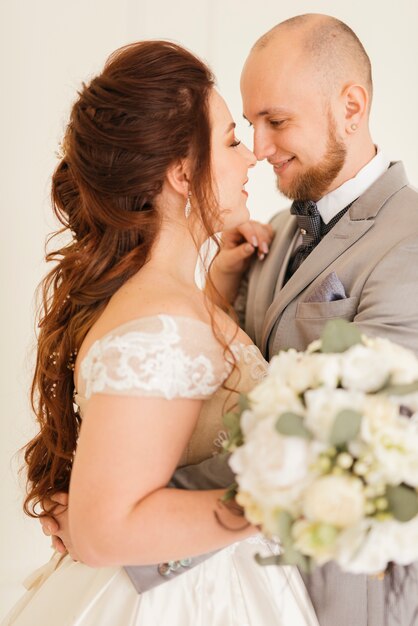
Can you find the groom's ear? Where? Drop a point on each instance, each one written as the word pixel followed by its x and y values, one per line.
pixel 356 106
pixel 178 176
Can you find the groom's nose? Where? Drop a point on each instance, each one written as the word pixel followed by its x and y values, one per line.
pixel 263 146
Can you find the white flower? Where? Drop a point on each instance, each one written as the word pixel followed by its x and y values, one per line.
pixel 393 441
pixel 403 363
pixel 363 369
pixel 335 500
pixel 271 398
pixel 302 371
pixel 293 369
pixel 315 539
pixel 333 511
pixel 253 512
pixel 409 400
pixel 327 369
pixel 371 545
pixel 323 405
pixel 314 346
pixel 274 469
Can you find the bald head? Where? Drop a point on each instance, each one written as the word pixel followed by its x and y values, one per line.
pixel 328 45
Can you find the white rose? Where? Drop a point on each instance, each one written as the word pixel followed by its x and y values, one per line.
pixel 294 369
pixel 364 369
pixel 273 398
pixel 323 405
pixel 328 369
pixel 351 544
pixel 335 500
pixel 402 363
pixel 274 469
pixel 393 441
pixel 409 400
pixel 302 371
pixel 371 545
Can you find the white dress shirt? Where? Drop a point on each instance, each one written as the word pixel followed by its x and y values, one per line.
pixel 335 201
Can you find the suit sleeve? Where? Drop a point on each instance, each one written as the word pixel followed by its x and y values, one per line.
pixel 389 301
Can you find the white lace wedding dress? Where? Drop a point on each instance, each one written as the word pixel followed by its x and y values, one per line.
pixel 169 357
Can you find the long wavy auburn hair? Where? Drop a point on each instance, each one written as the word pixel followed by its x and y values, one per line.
pixel 145 111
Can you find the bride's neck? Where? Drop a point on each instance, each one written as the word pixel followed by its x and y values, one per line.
pixel 175 253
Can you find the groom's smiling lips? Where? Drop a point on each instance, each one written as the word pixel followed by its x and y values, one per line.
pixel 280 166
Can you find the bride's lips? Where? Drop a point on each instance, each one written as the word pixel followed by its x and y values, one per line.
pixel 281 166
pixel 243 190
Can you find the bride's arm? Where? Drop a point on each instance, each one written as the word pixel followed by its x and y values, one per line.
pixel 120 511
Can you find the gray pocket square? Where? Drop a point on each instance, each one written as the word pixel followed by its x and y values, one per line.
pixel 212 473
pixel 330 289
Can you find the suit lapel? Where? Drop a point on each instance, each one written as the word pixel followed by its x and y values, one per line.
pixel 346 232
pixel 263 275
pixel 341 237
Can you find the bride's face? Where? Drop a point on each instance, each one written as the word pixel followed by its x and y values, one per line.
pixel 230 161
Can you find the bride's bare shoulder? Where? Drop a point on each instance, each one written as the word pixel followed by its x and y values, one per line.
pixel 146 301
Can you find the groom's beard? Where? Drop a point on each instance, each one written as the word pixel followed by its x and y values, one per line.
pixel 313 183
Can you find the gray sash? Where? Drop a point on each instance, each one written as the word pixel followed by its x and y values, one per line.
pixel 213 473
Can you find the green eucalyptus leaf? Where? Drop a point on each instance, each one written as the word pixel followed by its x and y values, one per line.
pixel 403 502
pixel 232 424
pixel 339 335
pixel 243 403
pixel 268 560
pixel 291 556
pixel 400 390
pixel 292 425
pixel 284 527
pixel 230 493
pixel 346 426
pixel 231 420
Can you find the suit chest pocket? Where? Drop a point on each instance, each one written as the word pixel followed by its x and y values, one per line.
pixel 345 308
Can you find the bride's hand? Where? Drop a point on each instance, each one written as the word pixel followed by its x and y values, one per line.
pixel 240 244
pixel 238 247
pixel 55 524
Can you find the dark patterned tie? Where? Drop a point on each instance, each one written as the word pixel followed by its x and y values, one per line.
pixel 309 223
pixel 312 229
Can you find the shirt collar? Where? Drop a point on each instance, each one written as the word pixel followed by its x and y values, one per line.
pixel 335 201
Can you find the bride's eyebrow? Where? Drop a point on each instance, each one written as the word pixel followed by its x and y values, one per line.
pixel 231 126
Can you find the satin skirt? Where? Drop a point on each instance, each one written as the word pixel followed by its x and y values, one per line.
pixel 229 589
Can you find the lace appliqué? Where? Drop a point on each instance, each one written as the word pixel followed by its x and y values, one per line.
pixel 250 355
pixel 150 362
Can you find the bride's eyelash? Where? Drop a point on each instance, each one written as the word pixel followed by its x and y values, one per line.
pixel 235 143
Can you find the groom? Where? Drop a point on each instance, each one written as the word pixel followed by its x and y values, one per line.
pixel 348 248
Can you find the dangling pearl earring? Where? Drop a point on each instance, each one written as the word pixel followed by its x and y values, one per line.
pixel 353 126
pixel 188 207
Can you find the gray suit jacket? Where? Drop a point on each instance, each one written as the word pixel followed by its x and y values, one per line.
pixel 372 251
pixel 365 270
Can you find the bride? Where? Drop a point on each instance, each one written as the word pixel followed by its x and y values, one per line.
pixel 136 365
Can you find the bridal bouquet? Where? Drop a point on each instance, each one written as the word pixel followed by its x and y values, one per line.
pixel 325 452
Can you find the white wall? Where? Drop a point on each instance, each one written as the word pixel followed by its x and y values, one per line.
pixel 46 48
